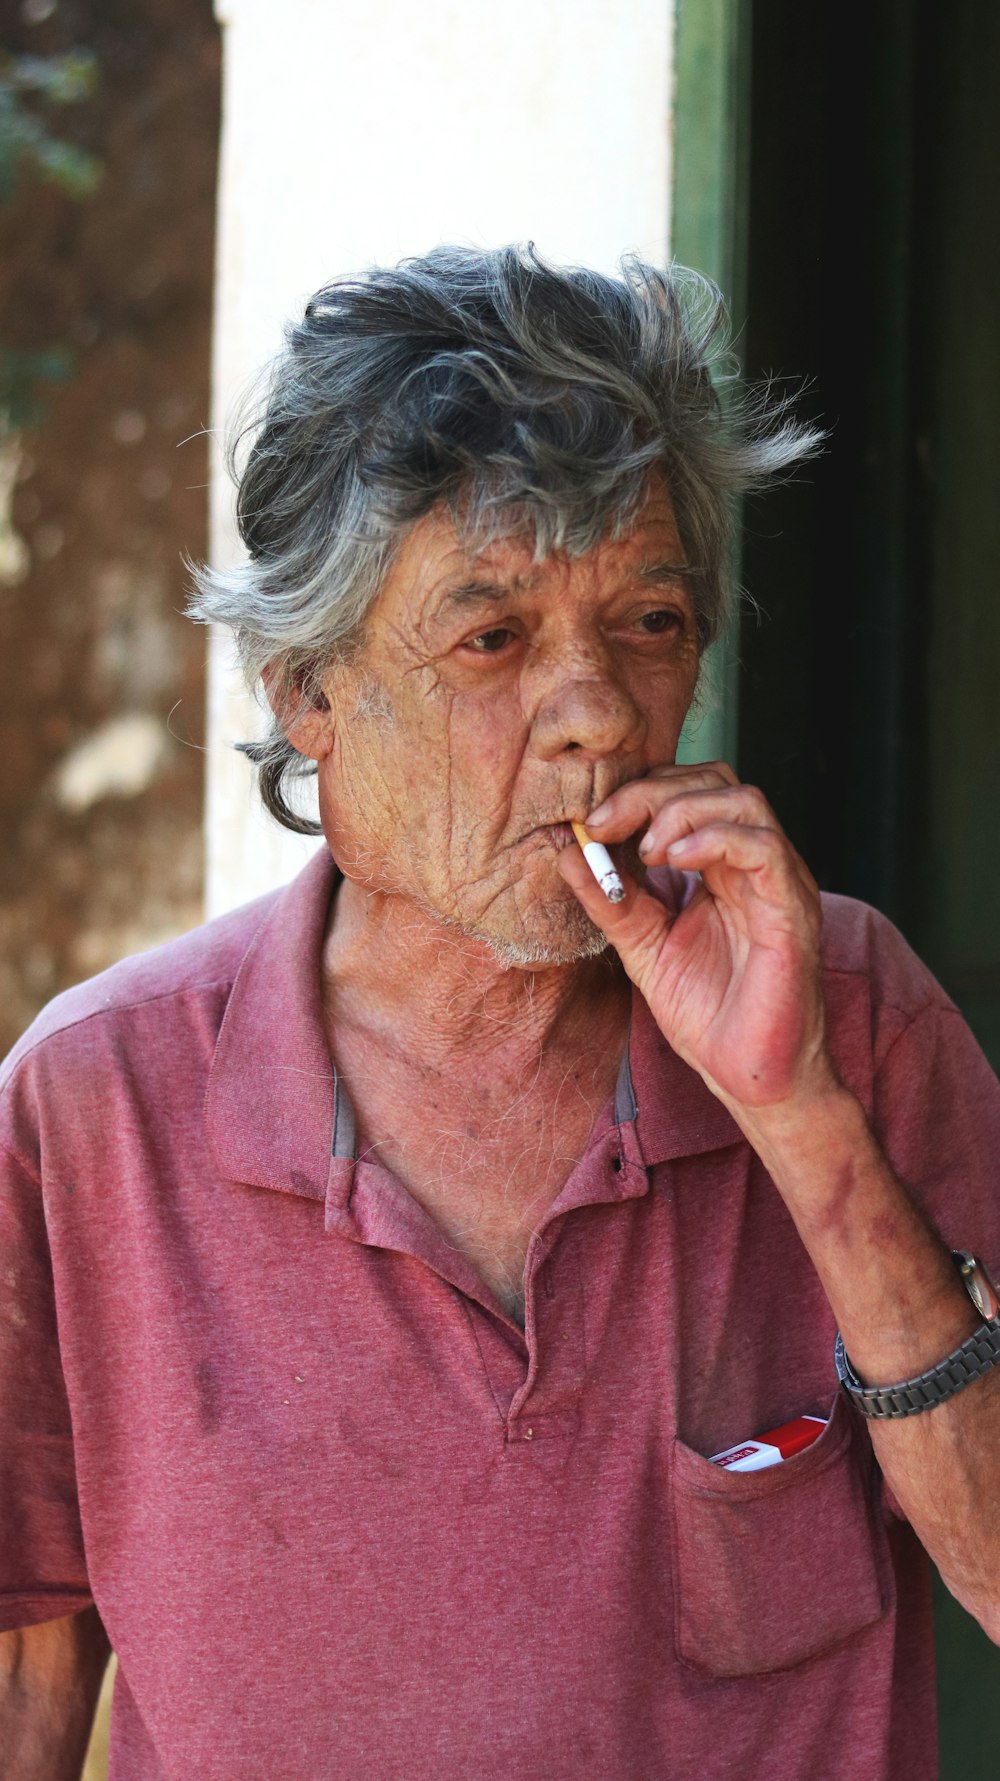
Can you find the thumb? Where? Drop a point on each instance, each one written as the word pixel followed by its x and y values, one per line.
pixel 636 927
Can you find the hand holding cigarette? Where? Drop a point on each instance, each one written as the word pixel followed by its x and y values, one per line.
pixel 731 974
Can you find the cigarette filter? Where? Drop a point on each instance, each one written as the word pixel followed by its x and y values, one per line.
pixel 601 864
pixel 773 1447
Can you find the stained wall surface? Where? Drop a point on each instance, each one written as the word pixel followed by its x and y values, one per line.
pixel 101 678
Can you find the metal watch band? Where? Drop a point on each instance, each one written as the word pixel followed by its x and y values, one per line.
pixel 975 1357
pixel 958 1369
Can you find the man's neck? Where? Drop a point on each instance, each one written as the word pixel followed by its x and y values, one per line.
pixel 414 984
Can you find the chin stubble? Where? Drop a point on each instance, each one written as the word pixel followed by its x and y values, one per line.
pixel 580 940
pixel 524 955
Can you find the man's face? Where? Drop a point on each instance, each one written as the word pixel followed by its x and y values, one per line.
pixel 493 700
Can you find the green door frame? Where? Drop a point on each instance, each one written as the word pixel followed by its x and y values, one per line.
pixel 711 133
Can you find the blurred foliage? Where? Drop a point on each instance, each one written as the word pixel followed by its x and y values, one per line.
pixel 22 375
pixel 27 146
pixel 30 151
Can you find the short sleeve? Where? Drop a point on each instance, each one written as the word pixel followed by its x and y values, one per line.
pixel 42 1570
pixel 936 1109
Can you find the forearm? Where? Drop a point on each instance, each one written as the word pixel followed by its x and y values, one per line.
pixel 901 1308
pixel 50 1678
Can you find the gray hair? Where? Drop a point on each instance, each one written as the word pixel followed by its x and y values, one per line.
pixel 529 398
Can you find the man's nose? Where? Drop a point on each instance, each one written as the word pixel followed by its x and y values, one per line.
pixel 590 711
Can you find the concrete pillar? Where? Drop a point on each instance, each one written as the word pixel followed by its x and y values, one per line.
pixel 359 134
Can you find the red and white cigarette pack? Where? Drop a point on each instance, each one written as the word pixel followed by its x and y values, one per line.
pixel 771 1448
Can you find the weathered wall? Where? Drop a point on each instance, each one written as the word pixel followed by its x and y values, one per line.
pixel 101 678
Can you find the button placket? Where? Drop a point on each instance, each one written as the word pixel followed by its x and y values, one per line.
pixel 547 1404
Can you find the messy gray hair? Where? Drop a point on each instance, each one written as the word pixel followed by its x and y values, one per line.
pixel 529 398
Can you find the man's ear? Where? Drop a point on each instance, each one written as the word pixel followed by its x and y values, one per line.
pixel 307 722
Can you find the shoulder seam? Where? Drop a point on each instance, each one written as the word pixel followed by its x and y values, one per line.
pixel 942 1002
pixel 119 1008
pixel 938 1007
pixel 22 1163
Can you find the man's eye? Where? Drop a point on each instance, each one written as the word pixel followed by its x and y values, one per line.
pixel 663 619
pixel 489 642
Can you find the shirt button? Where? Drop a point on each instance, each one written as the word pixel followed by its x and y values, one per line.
pixel 528 1434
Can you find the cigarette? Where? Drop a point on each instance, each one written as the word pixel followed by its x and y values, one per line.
pixel 601 864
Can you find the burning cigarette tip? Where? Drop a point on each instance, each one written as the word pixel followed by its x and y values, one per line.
pixel 601 864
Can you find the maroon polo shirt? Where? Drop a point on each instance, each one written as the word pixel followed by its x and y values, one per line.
pixel 339 1515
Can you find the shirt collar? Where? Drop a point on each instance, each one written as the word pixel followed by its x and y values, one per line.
pixel 271 1091
pixel 676 1112
pixel 276 1113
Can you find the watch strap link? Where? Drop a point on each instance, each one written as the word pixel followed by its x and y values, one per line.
pixel 974 1358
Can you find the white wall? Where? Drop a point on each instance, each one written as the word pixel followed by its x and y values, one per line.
pixel 357 133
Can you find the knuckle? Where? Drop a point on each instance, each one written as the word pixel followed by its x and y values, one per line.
pixel 725 771
pixel 781 859
pixel 755 799
pixel 716 773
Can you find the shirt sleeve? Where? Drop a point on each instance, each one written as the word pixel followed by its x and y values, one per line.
pixel 937 1114
pixel 936 1109
pixel 42 1569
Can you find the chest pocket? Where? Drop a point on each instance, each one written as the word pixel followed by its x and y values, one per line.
pixel 774 1567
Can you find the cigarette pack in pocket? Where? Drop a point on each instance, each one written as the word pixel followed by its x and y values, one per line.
pixel 778 1563
pixel 772 1447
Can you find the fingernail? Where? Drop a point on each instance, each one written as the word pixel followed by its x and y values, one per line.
pixel 645 846
pixel 680 846
pixel 597 815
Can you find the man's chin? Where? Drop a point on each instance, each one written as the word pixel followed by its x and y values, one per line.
pixel 542 926
pixel 563 935
pixel 531 955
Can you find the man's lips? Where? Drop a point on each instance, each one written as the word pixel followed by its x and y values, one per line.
pixel 560 834
pixel 557 834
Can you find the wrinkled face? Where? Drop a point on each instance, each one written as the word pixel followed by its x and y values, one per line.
pixel 493 700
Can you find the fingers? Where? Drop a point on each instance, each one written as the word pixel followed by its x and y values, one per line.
pixel 682 816
pixel 762 854
pixel 633 806
pixel 674 802
pixel 701 819
pixel 671 803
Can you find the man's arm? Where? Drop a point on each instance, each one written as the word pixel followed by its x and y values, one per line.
pixel 50 1678
pixel 735 984
pixel 895 1292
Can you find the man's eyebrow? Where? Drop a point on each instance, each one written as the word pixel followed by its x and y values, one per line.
pixel 669 571
pixel 484 593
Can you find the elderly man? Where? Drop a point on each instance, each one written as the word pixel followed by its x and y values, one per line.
pixel 387 1262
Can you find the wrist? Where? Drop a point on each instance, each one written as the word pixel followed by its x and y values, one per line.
pixel 891 1283
pixel 807 1139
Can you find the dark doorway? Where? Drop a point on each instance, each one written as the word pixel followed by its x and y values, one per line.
pixel 870 684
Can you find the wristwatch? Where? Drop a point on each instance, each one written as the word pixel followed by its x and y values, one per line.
pixel 975 1356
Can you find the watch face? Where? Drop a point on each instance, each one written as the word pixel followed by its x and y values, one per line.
pixel 976 1294
pixel 980 1288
